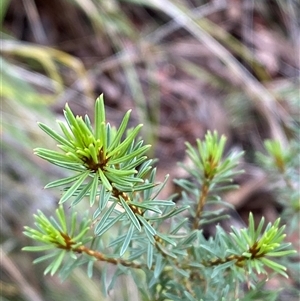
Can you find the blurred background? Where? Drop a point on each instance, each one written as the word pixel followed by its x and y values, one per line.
pixel 184 67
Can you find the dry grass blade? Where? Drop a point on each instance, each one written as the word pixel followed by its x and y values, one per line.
pixel 28 291
pixel 264 101
pixel 35 21
pixel 48 57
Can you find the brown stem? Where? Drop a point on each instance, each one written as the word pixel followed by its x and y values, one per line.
pixel 200 205
pixel 101 257
pixel 98 255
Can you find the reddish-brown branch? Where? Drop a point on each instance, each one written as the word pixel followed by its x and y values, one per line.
pixel 101 257
pixel 200 205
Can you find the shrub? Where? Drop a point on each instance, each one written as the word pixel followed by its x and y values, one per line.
pixel 159 243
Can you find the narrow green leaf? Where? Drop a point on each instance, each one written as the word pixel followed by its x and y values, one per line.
pixel 281 253
pixel 274 266
pixel 63 181
pixel 117 241
pixel 179 226
pixel 159 265
pixel 221 267
pixel 150 237
pixel 130 214
pixel 77 157
pixel 173 212
pixel 103 138
pixel 45 257
pixel 190 238
pixel 259 228
pixel 73 223
pixel 84 130
pixel 54 135
pixel 122 147
pixel 128 187
pixel 104 197
pixel 78 237
pixel 62 218
pixel 50 266
pixel 74 187
pixel 90 267
pixel 104 180
pixel 135 163
pixel 127 240
pixel 104 280
pixel 38 248
pixel 130 156
pixel 163 203
pixel 238 239
pixel 104 218
pixel 109 135
pixel 74 166
pixel 65 148
pixel 57 262
pixel 251 226
pixel 136 254
pixel 149 255
pixel 166 238
pixel 70 118
pixel 125 180
pixel 120 172
pixel 78 135
pixel 146 206
pixel 245 235
pixel 257 265
pixel 173 297
pixel 189 296
pixel 133 181
pixel 93 152
pixel 120 180
pixel 99 116
pixel 160 187
pixel 88 123
pixel 145 168
pixel 106 226
pixel 149 228
pixel 94 189
pixel 66 132
pixel 52 155
pixel 119 133
pixel 84 192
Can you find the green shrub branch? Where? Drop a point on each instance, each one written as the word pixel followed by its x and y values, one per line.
pixel 161 238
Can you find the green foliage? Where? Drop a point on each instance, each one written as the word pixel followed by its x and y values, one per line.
pixel 282 165
pixel 159 243
pixel 56 235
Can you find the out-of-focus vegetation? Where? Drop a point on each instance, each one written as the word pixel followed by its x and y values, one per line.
pixel 185 67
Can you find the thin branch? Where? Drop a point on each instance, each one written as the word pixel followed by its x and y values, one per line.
pixel 101 257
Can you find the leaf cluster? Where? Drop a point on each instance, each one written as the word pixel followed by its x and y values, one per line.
pixel 148 238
